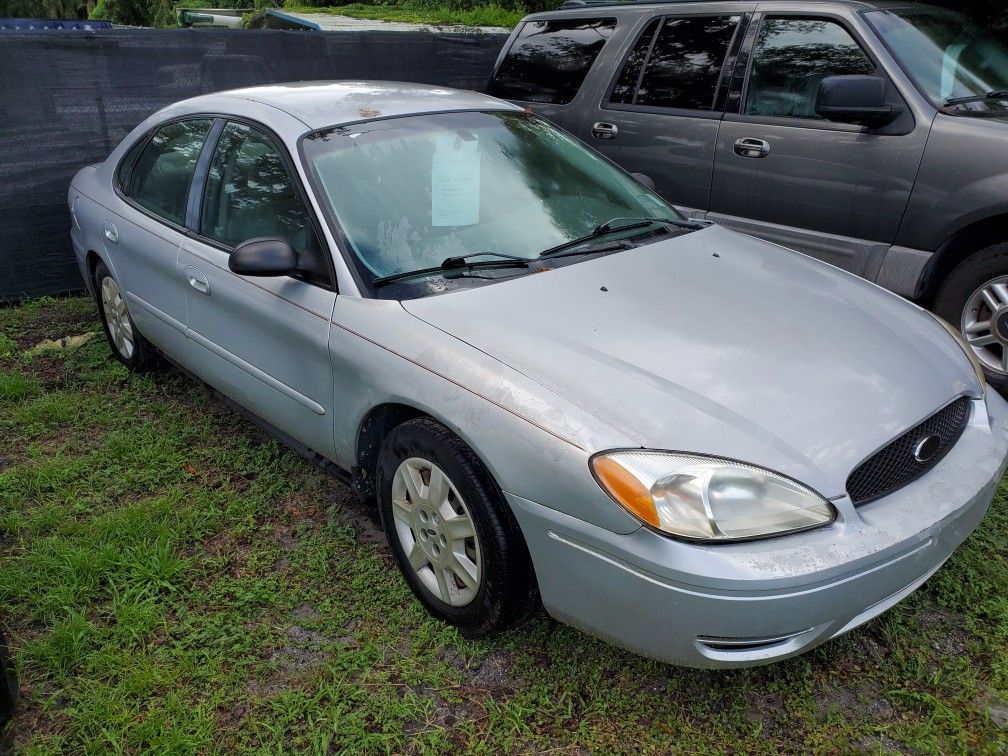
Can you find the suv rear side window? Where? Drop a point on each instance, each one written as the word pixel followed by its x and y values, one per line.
pixel 792 57
pixel 160 178
pixel 549 60
pixel 683 63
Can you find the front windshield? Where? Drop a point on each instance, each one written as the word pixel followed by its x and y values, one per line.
pixel 948 57
pixel 410 192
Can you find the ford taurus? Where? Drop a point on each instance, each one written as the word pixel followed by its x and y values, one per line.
pixel 701 446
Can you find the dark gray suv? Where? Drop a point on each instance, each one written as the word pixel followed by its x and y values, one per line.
pixel 872 135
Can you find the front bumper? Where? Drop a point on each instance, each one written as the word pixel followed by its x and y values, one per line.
pixel 743 604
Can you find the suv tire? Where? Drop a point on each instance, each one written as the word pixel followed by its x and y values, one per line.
pixel 960 296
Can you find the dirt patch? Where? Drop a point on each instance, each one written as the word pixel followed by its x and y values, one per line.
pixel 347 508
pixel 55 323
pixel 943 630
pixel 880 743
pixel 47 370
pixel 996 709
pixel 858 699
pixel 494 674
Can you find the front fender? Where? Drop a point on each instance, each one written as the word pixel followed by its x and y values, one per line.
pixel 534 443
pixel 963 179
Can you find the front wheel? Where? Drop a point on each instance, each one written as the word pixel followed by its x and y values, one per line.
pixel 975 299
pixel 450 530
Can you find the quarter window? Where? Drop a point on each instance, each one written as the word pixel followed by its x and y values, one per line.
pixel 250 193
pixel 684 64
pixel 625 89
pixel 792 57
pixel 161 176
pixel 549 60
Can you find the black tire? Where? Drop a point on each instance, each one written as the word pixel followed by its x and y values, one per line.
pixel 144 357
pixel 966 278
pixel 507 590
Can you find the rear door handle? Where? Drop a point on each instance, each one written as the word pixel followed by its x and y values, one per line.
pixel 604 130
pixel 111 233
pixel 197 279
pixel 752 148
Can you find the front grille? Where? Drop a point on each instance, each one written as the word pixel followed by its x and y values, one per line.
pixel 894 465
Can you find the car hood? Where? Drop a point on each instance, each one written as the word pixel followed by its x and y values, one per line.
pixel 718 343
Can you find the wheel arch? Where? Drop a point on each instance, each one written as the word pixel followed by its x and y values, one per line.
pixel 963 243
pixel 376 424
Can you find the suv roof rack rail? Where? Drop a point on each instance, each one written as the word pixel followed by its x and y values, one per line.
pixel 571 4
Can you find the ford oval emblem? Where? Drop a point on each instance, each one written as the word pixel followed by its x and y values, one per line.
pixel 926 448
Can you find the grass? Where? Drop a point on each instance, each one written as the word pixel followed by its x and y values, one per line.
pixel 417 13
pixel 173 580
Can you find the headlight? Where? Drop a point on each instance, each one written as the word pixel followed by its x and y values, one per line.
pixel 967 350
pixel 706 498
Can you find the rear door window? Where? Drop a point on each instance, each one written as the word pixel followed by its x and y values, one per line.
pixel 549 60
pixel 677 64
pixel 159 181
pixel 792 57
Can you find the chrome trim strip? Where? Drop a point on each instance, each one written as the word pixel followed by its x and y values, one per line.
pixel 255 372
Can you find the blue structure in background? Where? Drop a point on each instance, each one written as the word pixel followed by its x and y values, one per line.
pixel 48 24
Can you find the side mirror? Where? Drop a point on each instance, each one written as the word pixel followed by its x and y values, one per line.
pixel 266 256
pixel 644 179
pixel 855 99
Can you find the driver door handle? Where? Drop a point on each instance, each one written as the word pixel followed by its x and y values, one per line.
pixel 752 148
pixel 197 279
pixel 604 130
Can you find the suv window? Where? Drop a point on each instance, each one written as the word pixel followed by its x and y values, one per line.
pixel 683 63
pixel 549 60
pixel 160 178
pixel 792 57
pixel 250 193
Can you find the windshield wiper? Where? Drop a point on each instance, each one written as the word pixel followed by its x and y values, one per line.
pixel 459 262
pixel 997 94
pixel 616 247
pixel 611 227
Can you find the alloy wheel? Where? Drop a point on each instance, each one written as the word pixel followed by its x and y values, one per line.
pixel 116 317
pixel 436 531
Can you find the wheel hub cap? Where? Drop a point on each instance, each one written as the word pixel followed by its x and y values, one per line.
pixel 436 531
pixel 1001 326
pixel 119 326
pixel 985 324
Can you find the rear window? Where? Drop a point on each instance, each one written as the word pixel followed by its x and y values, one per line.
pixel 681 65
pixel 549 60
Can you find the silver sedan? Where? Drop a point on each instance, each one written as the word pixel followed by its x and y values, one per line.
pixel 700 446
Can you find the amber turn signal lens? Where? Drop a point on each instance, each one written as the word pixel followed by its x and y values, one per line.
pixel 626 489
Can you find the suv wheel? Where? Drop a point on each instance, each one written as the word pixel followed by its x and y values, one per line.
pixel 975 298
pixel 128 345
pixel 450 529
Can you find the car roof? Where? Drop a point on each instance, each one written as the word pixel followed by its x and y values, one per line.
pixel 318 104
pixel 573 6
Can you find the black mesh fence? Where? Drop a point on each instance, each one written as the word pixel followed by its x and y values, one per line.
pixel 68 98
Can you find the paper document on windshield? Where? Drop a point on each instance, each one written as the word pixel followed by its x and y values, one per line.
pixel 455 182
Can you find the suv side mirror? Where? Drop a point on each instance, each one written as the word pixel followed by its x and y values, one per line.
pixel 645 180
pixel 265 256
pixel 855 99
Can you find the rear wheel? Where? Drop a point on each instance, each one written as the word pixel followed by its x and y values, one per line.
pixel 450 530
pixel 975 299
pixel 128 345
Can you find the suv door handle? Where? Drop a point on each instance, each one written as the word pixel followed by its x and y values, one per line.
pixel 197 279
pixel 603 130
pixel 752 148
